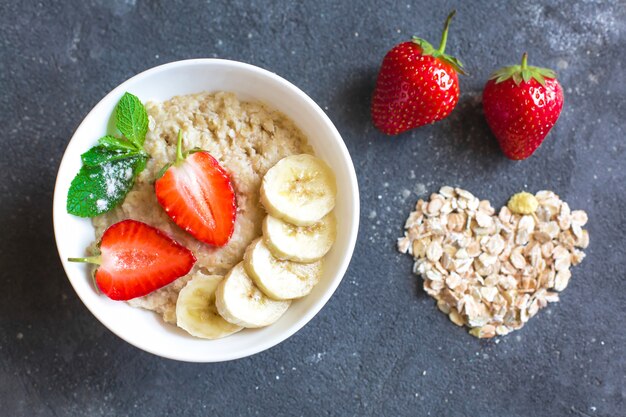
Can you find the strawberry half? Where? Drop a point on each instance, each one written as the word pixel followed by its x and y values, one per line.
pixel 417 85
pixel 197 194
pixel 521 104
pixel 136 259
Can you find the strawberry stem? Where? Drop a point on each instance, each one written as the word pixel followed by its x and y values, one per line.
pixel 90 260
pixel 444 35
pixel 524 61
pixel 179 147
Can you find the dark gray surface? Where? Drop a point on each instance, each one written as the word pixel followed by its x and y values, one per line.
pixel 379 347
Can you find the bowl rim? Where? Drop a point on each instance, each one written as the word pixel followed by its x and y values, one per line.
pixel 58 205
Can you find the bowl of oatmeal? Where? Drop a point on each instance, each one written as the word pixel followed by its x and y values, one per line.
pixel 248 119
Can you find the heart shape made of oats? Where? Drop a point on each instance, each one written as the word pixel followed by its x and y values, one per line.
pixel 492 272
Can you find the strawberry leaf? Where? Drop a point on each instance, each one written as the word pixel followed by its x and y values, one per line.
pixel 454 63
pixel 427 48
pixel 546 72
pixel 523 73
pixel 539 79
pixel 163 170
pixel 192 151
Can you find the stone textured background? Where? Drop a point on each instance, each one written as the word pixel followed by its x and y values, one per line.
pixel 380 346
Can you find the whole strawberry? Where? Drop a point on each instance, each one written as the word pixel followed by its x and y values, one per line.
pixel 521 104
pixel 417 85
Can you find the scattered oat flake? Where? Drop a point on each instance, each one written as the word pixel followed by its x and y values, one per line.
pixel 493 271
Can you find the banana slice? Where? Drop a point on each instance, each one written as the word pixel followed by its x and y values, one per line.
pixel 280 280
pixel 242 303
pixel 299 243
pixel 196 311
pixel 300 189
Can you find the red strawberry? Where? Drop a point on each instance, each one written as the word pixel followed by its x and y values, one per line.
pixel 521 104
pixel 136 259
pixel 417 85
pixel 196 193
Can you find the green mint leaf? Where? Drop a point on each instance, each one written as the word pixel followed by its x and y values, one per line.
pixel 113 142
pixel 132 119
pixel 140 163
pixel 100 154
pixel 98 189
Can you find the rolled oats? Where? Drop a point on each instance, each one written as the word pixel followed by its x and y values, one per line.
pixel 493 272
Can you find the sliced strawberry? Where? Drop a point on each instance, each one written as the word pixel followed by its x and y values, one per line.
pixel 136 259
pixel 197 194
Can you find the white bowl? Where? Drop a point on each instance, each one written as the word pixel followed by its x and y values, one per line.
pixel 145 329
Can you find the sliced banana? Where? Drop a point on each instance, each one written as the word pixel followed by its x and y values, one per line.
pixel 279 280
pixel 299 243
pixel 242 303
pixel 196 311
pixel 300 189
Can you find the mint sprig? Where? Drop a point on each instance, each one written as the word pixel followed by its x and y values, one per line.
pixel 110 168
